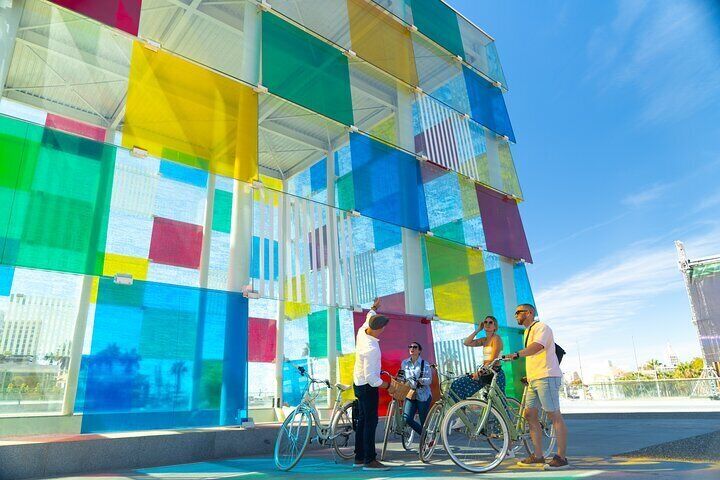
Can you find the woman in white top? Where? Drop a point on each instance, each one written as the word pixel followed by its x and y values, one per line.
pixel 492 346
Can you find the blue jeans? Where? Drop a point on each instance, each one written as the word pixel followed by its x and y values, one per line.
pixel 411 408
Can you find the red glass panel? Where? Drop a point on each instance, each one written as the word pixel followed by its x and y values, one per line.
pixel 394 340
pixel 69 125
pixel 121 14
pixel 261 340
pixel 176 243
pixel 504 232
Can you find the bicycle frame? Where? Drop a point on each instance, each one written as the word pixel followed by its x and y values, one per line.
pixel 308 405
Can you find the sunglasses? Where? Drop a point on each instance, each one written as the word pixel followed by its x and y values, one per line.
pixel 413 347
pixel 489 322
pixel 521 311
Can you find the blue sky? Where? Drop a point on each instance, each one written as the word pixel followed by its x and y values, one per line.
pixel 616 108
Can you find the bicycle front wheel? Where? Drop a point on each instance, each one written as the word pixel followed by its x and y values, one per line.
pixel 408 435
pixel 389 421
pixel 342 433
pixel 292 439
pixel 473 446
pixel 431 429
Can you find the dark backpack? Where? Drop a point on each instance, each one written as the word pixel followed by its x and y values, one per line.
pixel 559 351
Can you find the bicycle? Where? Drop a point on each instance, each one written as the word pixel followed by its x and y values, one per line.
pixel 489 426
pixel 395 423
pixel 431 427
pixel 294 434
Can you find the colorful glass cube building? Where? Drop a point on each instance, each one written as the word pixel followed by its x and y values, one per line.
pixel 198 197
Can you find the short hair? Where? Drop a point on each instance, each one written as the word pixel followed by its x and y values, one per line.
pixel 530 306
pixel 418 344
pixel 378 321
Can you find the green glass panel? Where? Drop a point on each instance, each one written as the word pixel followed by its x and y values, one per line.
pixel 57 212
pixel 222 211
pixel 317 331
pixel 345 192
pixel 305 70
pixel 510 180
pixel 451 231
pixel 514 371
pixel 439 23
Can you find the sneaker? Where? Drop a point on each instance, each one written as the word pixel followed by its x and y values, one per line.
pixel 557 463
pixel 457 424
pixel 358 463
pixel 375 466
pixel 532 461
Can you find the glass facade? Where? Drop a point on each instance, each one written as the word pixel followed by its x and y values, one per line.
pixel 187 219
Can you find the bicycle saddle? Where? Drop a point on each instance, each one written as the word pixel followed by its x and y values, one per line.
pixel 341 387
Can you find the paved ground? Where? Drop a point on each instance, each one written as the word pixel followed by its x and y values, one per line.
pixel 594 446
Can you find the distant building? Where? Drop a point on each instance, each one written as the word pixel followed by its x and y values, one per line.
pixel 38 326
pixel 671 356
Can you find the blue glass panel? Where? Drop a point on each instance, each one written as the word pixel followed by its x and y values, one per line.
pixel 6 279
pixel 318 176
pixel 487 104
pixel 386 235
pixel 495 285
pixel 293 383
pixel 181 173
pixel 387 184
pixel 255 263
pixel 164 356
pixel 523 292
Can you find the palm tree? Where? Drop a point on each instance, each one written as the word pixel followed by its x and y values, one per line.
pixel 652 364
pixel 178 369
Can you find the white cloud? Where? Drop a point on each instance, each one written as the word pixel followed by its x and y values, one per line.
pixel 613 294
pixel 646 196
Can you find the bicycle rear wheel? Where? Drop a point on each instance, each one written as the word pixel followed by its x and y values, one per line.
pixel 293 437
pixel 389 421
pixel 342 433
pixel 548 435
pixel 474 447
pixel 431 429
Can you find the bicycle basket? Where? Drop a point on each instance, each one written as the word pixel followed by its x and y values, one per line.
pixel 398 390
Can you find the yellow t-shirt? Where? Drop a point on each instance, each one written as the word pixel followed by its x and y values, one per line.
pixel 544 363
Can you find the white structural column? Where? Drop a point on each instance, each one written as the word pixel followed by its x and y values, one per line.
pixel 207 232
pixel 283 236
pixel 78 340
pixel 203 283
pixel 332 269
pixel 10 13
pixel 507 274
pixel 411 248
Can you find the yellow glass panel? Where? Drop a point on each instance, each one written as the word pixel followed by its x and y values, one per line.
pixel 94 290
pixel 271 183
pixel 346 365
pixel 452 301
pixel 135 266
pixel 182 112
pixel 381 41
pixel 295 310
pixel 475 261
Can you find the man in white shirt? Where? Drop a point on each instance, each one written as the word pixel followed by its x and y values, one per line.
pixel 366 380
pixel 544 380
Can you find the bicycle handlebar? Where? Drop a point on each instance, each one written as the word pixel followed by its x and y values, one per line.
pixel 304 373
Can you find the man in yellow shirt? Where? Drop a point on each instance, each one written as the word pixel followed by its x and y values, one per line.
pixel 544 380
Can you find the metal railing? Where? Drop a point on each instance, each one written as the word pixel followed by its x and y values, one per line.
pixel 643 389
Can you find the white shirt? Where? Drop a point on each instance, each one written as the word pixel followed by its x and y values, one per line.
pixel 544 363
pixel 367 360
